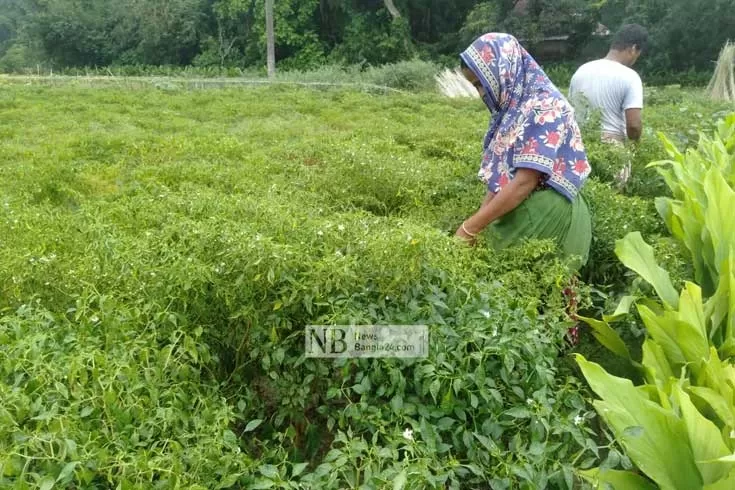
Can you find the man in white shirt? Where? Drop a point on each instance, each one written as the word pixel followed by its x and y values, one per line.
pixel 611 86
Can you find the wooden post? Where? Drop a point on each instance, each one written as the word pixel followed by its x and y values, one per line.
pixel 270 38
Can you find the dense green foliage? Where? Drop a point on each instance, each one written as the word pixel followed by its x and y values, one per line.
pixel 310 33
pixel 678 425
pixel 166 248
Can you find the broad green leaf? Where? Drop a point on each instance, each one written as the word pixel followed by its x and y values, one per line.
pixel 691 307
pixel 47 483
pixel 717 308
pixel 298 468
pixel 728 275
pixel 692 341
pixel 704 438
pixel 622 310
pixel 689 229
pixel 727 349
pixel 616 480
pixel 719 405
pixel 718 215
pixel 727 483
pixel 229 481
pixel 717 377
pixel 486 442
pixel 682 342
pixel 638 256
pixel 268 471
pixel 67 471
pixel 664 334
pixel 664 206
pixel 262 484
pixel 252 425
pixel 400 480
pixel 661 431
pixel 608 337
pixel 654 360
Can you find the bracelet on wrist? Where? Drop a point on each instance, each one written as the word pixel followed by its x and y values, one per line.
pixel 464 228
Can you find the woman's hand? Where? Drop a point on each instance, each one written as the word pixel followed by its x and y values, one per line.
pixel 468 237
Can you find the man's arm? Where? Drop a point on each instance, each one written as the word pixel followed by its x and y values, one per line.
pixel 633 124
pixel 633 104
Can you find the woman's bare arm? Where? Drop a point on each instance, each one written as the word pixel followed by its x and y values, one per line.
pixel 505 201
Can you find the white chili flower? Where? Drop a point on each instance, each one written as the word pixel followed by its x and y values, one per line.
pixel 578 420
pixel 408 434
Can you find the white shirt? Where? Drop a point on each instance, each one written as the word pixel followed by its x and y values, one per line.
pixel 610 87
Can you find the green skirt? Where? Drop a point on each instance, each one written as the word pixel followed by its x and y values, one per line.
pixel 546 214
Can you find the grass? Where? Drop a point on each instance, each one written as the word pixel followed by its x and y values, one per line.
pixel 164 247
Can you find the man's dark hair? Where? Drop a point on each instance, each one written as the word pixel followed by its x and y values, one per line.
pixel 630 35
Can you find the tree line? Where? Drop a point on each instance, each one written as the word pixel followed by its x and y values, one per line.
pixel 685 34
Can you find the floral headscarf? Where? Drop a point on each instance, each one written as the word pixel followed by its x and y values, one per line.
pixel 533 125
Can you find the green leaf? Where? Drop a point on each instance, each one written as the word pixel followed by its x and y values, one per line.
pixel 518 412
pixel 363 386
pixel 691 307
pixel 396 403
pixel 718 217
pixel 616 480
pixel 252 425
pixel 727 276
pixel 67 471
pixel 718 377
pixel 261 484
pixel 400 480
pixel 638 256
pixel 719 405
pixel 298 468
pixel 268 471
pixel 229 481
pixel 660 449
pixel 705 439
pixel 608 337
pixel 434 388
pixel 681 341
pixel 655 362
pixel 474 469
pixel 725 484
pixel 486 442
pixel 47 483
pixel 622 310
pixel 718 307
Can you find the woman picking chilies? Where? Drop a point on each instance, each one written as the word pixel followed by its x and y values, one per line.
pixel 534 162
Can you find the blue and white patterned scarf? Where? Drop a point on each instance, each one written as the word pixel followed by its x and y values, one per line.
pixel 533 125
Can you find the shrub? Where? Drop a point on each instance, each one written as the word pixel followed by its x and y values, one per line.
pixel 109 395
pixel 685 408
pixel 613 216
pixel 414 75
